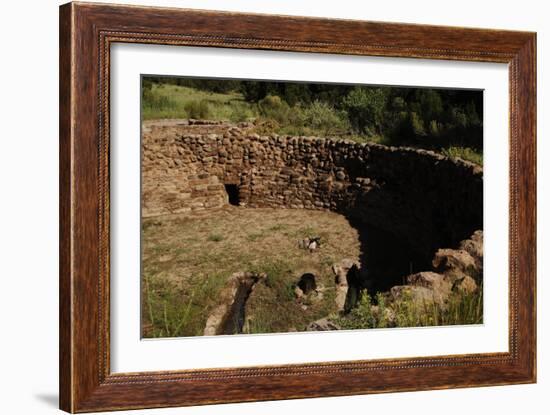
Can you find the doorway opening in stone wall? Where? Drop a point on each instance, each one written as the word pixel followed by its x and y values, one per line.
pixel 275 206
pixel 232 191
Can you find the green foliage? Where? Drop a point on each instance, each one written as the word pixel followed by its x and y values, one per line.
pixel 171 312
pixel 361 316
pixel 277 273
pixel 241 111
pixel 417 125
pixel 365 108
pixel 410 312
pixel 197 109
pixel 460 308
pixel 273 107
pixel 383 310
pixel 295 93
pixel 253 91
pixel 215 237
pixel 464 153
pixel 321 117
pixel 150 100
pixel 437 119
pixel 317 118
pixel 430 103
pixel 434 128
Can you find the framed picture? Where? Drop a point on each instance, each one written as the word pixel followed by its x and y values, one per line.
pixel 260 207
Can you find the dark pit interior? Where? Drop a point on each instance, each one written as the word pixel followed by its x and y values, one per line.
pixel 235 319
pixel 386 259
pixel 232 191
pixel 307 283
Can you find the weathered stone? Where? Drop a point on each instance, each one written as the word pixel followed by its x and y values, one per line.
pixel 323 324
pixel 298 292
pixel 435 282
pixel 232 300
pixel 474 246
pixel 465 285
pixel 340 175
pixel 453 259
pixel 341 270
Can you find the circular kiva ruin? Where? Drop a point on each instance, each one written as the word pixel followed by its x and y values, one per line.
pixel 429 202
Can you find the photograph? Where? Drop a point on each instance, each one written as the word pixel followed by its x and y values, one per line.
pixel 283 206
pixel 275 207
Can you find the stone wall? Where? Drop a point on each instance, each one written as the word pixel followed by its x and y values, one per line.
pixel 423 197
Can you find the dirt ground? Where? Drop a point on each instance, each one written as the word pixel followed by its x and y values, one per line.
pixel 187 259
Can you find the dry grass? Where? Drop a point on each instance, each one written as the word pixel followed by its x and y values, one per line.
pixel 186 261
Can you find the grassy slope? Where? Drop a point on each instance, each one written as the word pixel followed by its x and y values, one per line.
pixel 187 260
pixel 173 101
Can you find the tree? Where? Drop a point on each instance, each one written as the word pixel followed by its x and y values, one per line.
pixel 366 108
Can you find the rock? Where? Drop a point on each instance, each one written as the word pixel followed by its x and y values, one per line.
pixel 440 286
pixel 388 315
pixel 341 270
pixel 312 243
pixel 474 246
pixel 453 260
pixel 312 246
pixel 341 295
pixel 323 324
pixel 419 295
pixel 230 302
pixel 298 292
pixel 215 320
pixel 465 285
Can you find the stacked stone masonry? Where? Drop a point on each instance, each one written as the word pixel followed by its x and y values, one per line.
pixel 428 199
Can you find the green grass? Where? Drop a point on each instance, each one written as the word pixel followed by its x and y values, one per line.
pixel 172 311
pixel 271 115
pixel 215 237
pixel 464 153
pixel 459 309
pixel 173 101
pixel 187 260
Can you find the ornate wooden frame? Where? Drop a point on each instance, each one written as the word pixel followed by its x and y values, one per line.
pixel 86 33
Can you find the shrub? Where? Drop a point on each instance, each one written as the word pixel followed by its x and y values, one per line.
pixel 197 109
pixel 434 128
pixel 430 103
pixel 324 119
pixel 154 101
pixel 458 117
pixel 215 237
pixel 416 124
pixel 464 153
pixel 460 308
pixel 365 108
pixel 273 107
pixel 240 112
pixel 359 317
